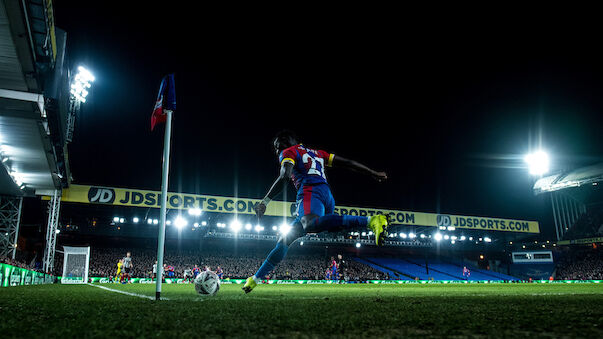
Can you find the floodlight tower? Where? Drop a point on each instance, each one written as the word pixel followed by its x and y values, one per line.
pixel 79 90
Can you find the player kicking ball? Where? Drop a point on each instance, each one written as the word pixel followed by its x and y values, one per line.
pixel 306 169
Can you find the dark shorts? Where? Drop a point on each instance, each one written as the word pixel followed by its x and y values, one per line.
pixel 127 270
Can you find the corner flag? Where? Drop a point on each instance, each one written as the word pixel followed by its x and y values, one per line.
pixel 166 100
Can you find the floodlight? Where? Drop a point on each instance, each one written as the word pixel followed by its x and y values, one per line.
pixel 452 241
pixel 538 162
pixel 180 222
pixel 423 236
pixel 235 225
pixel 203 223
pixel 357 245
pixel 58 231
pixel 135 220
pixel 196 224
pixel 194 212
pixel 403 235
pixel 301 243
pixel 81 83
pixel 438 236
pixel 446 237
pixel 155 221
pixel 463 238
pixel 284 229
pixel 274 228
pixel 149 221
pixel 122 220
pixel 248 227
pixel 486 239
pixel 412 235
pixel 364 234
pixel 451 228
pixel 168 222
pixel 259 228
pixel 115 219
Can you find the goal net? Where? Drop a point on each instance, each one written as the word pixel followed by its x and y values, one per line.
pixel 75 265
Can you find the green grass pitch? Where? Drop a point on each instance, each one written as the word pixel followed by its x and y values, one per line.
pixel 417 310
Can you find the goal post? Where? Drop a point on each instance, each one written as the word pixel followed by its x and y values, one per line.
pixel 75 265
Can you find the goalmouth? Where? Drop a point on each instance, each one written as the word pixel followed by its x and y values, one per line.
pixel 75 265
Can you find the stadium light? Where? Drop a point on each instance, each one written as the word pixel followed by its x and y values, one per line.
pixel 301 243
pixel 259 228
pixel 235 225
pixel 155 221
pixel 248 227
pixel 115 219
pixel 122 220
pixel 284 229
pixel 196 225
pixel 357 245
pixel 437 236
pixel 446 237
pixel 81 84
pixel 203 223
pixel 135 220
pixel 149 221
pixel 423 236
pixel 412 235
pixel 486 239
pixel 194 212
pixel 538 162
pixel 180 222
pixel 462 238
pixel 274 228
pixel 403 235
pixel 453 241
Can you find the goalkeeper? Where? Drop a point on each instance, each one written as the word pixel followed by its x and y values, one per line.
pixel 305 167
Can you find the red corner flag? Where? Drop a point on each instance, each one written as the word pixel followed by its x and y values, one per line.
pixel 166 100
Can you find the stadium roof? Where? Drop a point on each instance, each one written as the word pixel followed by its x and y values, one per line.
pixel 575 178
pixel 31 137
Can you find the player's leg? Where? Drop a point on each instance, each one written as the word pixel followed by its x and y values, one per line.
pixel 333 223
pixel 274 257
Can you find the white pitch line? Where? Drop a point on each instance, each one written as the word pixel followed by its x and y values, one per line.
pixel 126 293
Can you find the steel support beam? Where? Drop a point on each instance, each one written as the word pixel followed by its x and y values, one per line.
pixel 54 206
pixel 10 217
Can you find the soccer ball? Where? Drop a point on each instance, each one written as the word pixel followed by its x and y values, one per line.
pixel 207 283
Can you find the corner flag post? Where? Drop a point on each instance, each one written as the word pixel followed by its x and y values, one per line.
pixel 164 107
pixel 163 211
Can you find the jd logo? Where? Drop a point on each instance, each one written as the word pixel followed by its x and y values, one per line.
pixel 101 195
pixel 444 220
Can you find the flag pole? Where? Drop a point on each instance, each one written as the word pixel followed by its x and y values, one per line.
pixel 163 211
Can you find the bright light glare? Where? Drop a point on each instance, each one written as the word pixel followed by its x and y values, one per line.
pixel 180 222
pixel 284 229
pixel 135 220
pixel 235 225
pixel 486 239
pixel 412 235
pixel 194 212
pixel 538 162
pixel 403 235
pixel 437 236
pixel 155 221
pixel 357 245
pixel 248 227
pixel 81 83
pixel 115 219
pixel 259 228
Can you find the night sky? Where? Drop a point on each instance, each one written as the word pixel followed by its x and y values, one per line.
pixel 447 111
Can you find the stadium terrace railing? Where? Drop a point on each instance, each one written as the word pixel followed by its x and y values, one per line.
pixel 318 239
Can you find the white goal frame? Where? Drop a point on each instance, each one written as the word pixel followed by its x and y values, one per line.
pixel 75 250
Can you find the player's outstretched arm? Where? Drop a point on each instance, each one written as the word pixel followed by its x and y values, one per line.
pixel 339 161
pixel 276 188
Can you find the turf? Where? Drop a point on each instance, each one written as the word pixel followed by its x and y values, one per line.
pixel 431 310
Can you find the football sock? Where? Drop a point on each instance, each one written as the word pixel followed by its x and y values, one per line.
pixel 334 223
pixel 274 258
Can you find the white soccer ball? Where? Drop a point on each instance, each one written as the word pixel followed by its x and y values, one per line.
pixel 207 283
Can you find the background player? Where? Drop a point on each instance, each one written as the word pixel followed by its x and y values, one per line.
pixel 120 263
pixel 305 167
pixel 127 266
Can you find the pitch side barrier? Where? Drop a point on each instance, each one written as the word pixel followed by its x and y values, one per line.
pixel 313 282
pixel 237 205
